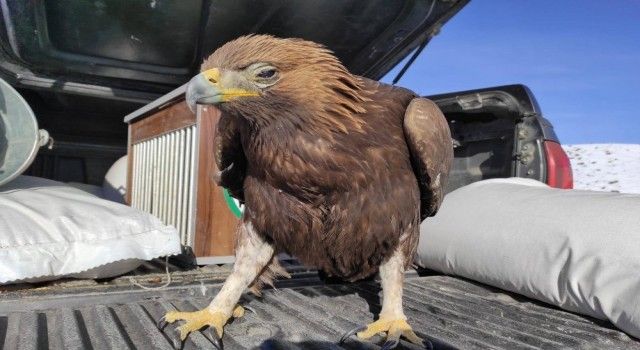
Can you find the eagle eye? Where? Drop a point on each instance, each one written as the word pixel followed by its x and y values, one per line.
pixel 262 74
pixel 267 73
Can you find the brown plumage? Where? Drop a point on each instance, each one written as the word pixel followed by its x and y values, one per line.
pixel 335 169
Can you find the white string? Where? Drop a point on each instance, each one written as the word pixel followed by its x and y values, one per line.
pixel 166 265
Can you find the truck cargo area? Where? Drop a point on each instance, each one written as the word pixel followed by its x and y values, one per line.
pixel 301 313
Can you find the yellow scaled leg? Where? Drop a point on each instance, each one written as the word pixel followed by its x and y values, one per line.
pixel 253 254
pixel 392 320
pixel 393 329
pixel 202 318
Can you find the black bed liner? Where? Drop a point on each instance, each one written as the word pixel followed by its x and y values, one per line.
pixel 302 313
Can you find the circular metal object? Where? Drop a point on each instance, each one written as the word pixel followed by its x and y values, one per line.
pixel 19 135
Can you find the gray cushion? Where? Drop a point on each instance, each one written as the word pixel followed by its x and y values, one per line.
pixel 579 250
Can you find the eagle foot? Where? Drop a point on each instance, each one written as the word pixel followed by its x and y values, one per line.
pixel 199 319
pixel 394 329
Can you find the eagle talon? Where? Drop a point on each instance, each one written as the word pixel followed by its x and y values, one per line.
pixel 197 320
pixel 217 342
pixel 351 332
pixel 394 330
pixel 428 345
pixel 162 322
pixel 390 344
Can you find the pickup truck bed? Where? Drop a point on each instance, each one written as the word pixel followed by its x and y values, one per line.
pixel 301 313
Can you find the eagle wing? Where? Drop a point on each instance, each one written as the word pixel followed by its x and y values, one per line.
pixel 229 156
pixel 429 139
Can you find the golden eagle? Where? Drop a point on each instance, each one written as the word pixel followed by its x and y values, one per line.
pixel 334 169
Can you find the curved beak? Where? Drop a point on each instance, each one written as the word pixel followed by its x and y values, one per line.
pixel 207 88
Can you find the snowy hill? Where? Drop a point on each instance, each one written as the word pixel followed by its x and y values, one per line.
pixel 605 167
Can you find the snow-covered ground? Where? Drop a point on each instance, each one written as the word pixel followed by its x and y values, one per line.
pixel 605 167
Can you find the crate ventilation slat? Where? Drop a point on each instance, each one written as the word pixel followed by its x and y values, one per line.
pixel 164 171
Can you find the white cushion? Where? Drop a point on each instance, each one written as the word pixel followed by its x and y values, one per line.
pixel 50 230
pixel 579 250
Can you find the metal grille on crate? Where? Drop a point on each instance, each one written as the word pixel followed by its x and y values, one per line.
pixel 164 173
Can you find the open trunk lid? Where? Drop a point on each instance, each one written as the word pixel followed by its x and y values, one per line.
pixel 140 49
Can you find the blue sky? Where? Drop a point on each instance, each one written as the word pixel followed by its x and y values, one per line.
pixel 581 59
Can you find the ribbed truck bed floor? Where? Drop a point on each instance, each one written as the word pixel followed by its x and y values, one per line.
pixel 303 314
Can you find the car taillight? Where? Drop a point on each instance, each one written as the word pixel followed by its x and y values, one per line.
pixel 559 173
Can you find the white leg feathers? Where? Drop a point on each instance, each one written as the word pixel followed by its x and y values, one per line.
pixel 252 255
pixel 392 279
pixel 392 319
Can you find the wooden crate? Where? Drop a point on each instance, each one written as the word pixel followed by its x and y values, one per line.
pixel 170 175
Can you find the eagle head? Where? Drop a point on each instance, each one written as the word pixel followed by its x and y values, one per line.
pixel 264 79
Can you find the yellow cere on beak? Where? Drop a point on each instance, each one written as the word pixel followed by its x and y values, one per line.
pixel 210 87
pixel 212 75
